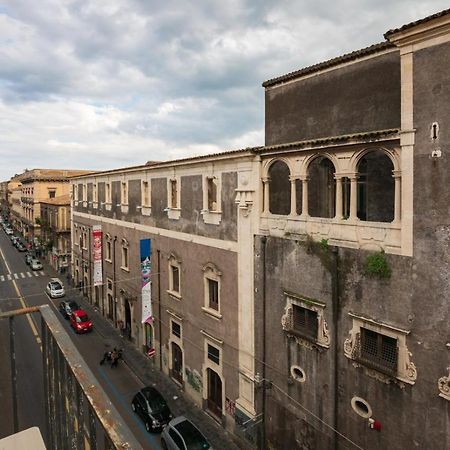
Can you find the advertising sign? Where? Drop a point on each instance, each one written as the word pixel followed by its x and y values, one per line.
pixel 146 283
pixel 97 254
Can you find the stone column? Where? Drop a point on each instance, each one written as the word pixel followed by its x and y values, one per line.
pixel 293 196
pixel 304 214
pixel 338 197
pixel 353 197
pixel 398 196
pixel 266 181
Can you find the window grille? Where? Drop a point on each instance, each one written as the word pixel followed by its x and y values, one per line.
pixel 377 351
pixel 304 321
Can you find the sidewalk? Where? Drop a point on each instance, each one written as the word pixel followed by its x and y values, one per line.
pixel 149 374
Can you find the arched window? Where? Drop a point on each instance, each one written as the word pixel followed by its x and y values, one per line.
pixel 279 189
pixel 376 188
pixel 321 188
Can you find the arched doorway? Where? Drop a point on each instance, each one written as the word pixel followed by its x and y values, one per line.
pixel 177 363
pixel 279 189
pixel 127 308
pixel 321 188
pixel 214 393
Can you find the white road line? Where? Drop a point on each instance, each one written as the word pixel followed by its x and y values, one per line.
pixel 22 274
pixel 35 274
pixel 29 275
pixel 8 276
pixel 42 273
pixel 2 278
pixel 16 276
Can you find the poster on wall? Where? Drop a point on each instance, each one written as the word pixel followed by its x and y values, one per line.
pixel 146 283
pixel 97 254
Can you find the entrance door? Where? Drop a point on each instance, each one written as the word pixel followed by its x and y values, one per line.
pixel 214 393
pixel 177 363
pixel 127 319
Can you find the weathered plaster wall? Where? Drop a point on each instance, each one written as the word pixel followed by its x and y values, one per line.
pixel 355 98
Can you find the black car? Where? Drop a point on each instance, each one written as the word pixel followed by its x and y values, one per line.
pixel 151 407
pixel 21 247
pixel 66 308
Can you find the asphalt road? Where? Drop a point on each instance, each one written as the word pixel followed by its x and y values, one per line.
pixel 20 287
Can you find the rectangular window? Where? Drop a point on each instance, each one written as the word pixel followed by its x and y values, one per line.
pixel 173 194
pixel 94 193
pixel 212 194
pixel 378 351
pixel 214 354
pixel 51 193
pixel 108 250
pixel 124 193
pixel 305 321
pixel 213 291
pixel 175 274
pixel 176 329
pixel 125 257
pixel 145 194
pixel 108 192
pixel 110 285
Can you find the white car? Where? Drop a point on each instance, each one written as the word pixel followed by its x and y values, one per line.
pixel 9 231
pixel 55 288
pixel 35 264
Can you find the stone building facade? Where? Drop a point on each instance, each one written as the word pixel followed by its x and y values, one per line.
pixel 299 290
pixel 352 257
pixel 198 216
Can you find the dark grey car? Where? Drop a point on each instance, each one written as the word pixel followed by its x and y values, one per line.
pixel 151 407
pixel 182 434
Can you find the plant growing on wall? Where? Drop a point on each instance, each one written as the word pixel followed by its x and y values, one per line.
pixel 377 265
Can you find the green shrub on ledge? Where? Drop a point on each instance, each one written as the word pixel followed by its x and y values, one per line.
pixel 377 266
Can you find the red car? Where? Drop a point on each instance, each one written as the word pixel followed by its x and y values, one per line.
pixel 80 321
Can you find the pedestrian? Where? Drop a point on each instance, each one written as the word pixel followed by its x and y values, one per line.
pixel 114 358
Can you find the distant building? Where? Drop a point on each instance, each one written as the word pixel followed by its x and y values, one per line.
pixel 55 230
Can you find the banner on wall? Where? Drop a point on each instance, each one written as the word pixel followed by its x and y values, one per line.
pixel 97 254
pixel 146 283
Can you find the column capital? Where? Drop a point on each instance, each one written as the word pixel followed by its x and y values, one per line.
pixel 292 178
pixel 265 179
pixel 397 173
pixel 304 178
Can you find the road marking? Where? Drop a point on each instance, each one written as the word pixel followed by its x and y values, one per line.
pixel 29 275
pixel 42 272
pixel 35 274
pixel 21 299
pixel 22 274
pixel 2 278
pixel 16 276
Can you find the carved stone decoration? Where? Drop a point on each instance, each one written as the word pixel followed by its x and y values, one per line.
pixel 444 386
pixel 244 200
pixel 410 368
pixel 286 319
pixel 348 345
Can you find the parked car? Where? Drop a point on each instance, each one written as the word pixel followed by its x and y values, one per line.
pixel 55 288
pixel 182 434
pixel 13 239
pixel 9 231
pixel 66 308
pixel 21 247
pixel 28 258
pixel 80 321
pixel 151 407
pixel 35 264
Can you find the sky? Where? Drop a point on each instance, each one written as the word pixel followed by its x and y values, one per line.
pixel 102 84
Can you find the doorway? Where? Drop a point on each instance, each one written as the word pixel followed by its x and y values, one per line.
pixel 214 393
pixel 177 363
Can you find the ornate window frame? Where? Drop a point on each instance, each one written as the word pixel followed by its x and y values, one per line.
pixel 211 211
pixel 108 195
pixel 174 261
pixel 174 207
pixel 125 256
pixel 323 335
pixel 211 272
pixel 444 386
pixel 406 370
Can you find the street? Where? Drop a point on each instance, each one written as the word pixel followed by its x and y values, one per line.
pixel 20 287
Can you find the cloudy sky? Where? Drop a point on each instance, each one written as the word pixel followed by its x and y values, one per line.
pixel 100 84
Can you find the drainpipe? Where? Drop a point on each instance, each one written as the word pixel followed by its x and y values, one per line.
pixel 335 312
pixel 159 309
pixel 114 282
pixel 263 412
pixel 90 267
